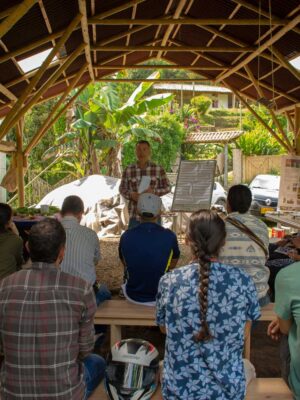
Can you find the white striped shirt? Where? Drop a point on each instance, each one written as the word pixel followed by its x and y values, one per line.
pixel 82 250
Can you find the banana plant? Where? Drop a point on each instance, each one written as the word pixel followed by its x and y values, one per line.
pixel 102 125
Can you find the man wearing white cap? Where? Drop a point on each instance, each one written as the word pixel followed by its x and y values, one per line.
pixel 147 252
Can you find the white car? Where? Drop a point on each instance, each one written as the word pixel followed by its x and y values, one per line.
pixel 265 192
pixel 219 195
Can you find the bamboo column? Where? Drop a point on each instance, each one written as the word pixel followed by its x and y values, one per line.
pixel 20 163
pixel 297 130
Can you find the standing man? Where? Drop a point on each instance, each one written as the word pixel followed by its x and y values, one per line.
pixel 132 177
pixel 46 325
pixel 82 247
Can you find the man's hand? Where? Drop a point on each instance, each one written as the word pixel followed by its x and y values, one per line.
pixel 134 196
pixel 293 255
pixel 274 330
pixel 149 190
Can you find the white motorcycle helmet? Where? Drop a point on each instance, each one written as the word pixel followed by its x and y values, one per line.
pixel 132 370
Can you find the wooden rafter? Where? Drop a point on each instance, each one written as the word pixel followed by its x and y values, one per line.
pixel 116 10
pixel 158 29
pixel 262 48
pixel 170 28
pixel 261 78
pixel 16 14
pixel 167 80
pixel 157 66
pixel 10 117
pixel 273 133
pixel 133 14
pixel 260 92
pixel 94 32
pixel 187 21
pixel 290 121
pixel 174 48
pixel 86 37
pixel 260 11
pixel 51 119
pixel 227 67
pixel 284 62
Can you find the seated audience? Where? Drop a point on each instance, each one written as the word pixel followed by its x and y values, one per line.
pixel 203 308
pixel 287 324
pixel 281 254
pixel 11 245
pixel 82 247
pixel 247 240
pixel 47 330
pixel 147 251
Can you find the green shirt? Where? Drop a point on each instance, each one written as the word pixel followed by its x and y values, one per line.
pixel 287 289
pixel 11 253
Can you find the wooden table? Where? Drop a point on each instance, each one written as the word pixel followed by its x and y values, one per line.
pixel 285 219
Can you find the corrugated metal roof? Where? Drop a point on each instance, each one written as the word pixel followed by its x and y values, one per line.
pixel 213 137
pixel 191 88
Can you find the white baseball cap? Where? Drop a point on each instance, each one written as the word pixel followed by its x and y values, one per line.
pixel 150 204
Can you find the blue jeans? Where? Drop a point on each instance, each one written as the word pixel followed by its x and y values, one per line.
pixel 102 294
pixel 94 369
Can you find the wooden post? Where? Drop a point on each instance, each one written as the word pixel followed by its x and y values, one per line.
pixel 226 166
pixel 237 166
pixel 20 163
pixel 297 130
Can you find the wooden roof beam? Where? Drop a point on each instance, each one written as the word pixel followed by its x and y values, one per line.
pixel 10 117
pixel 86 37
pixel 262 48
pixel 158 29
pixel 187 21
pixel 170 28
pixel 253 112
pixel 243 75
pixel 271 112
pixel 283 61
pixel 15 16
pixel 178 80
pixel 260 11
pixel 116 10
pixel 7 93
pixel 163 66
pixel 51 119
pixel 174 48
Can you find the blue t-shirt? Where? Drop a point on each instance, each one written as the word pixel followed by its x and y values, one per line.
pixel 209 369
pixel 147 251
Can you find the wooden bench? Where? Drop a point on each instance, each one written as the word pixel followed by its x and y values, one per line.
pixel 118 313
pixel 259 389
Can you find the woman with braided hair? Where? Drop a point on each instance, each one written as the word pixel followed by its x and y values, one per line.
pixel 203 308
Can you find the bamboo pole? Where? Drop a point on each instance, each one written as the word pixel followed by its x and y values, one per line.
pixel 260 11
pixel 55 118
pixel 7 12
pixel 243 75
pixel 152 80
pixel 170 28
pixel 291 123
pixel 14 17
pixel 50 120
pixel 297 130
pixel 273 133
pixel 10 117
pixel 7 93
pixel 220 49
pixel 46 85
pixel 20 163
pixel 117 9
pixel 284 62
pixel 271 112
pixel 187 21
pixel 265 46
pixel 86 38
pixel 157 66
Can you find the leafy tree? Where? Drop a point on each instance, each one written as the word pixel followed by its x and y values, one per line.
pixel 165 147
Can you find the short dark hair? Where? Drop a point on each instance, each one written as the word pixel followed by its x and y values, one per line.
pixel 239 198
pixel 72 205
pixel 45 240
pixel 143 142
pixel 5 215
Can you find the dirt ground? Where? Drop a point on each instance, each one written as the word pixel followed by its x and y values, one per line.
pixel 264 352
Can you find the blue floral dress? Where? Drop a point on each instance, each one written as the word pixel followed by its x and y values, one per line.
pixel 211 370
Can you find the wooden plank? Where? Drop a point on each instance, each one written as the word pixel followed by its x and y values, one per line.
pixel 123 310
pixel 177 49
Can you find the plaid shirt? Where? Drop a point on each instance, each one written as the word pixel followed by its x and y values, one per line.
pixel 131 179
pixel 46 327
